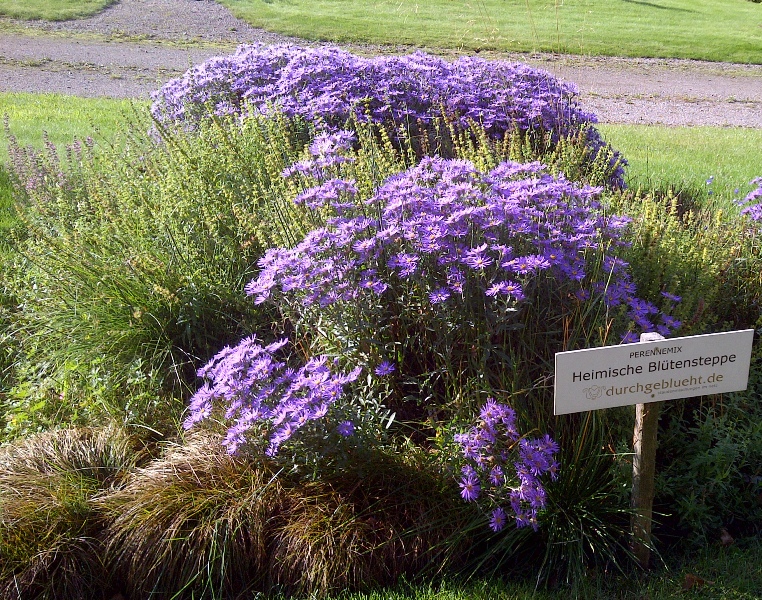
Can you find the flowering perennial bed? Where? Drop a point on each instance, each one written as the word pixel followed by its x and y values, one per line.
pixel 330 86
pixel 448 230
pixel 444 234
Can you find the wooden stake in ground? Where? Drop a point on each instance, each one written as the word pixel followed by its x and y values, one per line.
pixel 597 378
pixel 643 472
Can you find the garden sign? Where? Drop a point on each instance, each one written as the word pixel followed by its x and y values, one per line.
pixel 652 371
pixel 645 374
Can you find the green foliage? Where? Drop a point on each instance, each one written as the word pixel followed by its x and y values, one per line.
pixel 727 29
pixel 586 526
pixel 52 10
pixel 709 475
pixel 698 250
pixel 571 155
pixel 8 346
pixel 134 261
pixel 714 573
pixel 709 447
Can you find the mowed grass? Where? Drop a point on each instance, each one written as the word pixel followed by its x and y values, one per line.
pixel 52 10
pixel 715 573
pixel 717 30
pixel 687 157
pixel 63 118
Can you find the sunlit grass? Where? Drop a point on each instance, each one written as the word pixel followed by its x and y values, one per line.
pixel 52 10
pixel 719 30
pixel 63 118
pixel 689 156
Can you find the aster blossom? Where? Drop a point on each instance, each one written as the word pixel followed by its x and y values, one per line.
pixel 261 394
pixel 492 449
pixel 751 205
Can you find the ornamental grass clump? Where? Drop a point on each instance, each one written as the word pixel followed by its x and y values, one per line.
pixel 51 524
pixel 202 523
pixel 417 95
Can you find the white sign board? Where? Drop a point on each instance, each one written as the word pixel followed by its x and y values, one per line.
pixel 652 371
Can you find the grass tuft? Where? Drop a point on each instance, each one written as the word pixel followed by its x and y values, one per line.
pixel 51 543
pixel 201 523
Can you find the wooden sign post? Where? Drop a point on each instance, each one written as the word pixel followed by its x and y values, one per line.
pixel 643 476
pixel 645 374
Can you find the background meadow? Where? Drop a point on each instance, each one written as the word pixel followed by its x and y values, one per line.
pixel 728 30
pixel 52 10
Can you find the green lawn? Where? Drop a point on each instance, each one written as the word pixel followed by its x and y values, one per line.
pixel 52 10
pixel 719 30
pixel 715 573
pixel 62 117
pixel 689 156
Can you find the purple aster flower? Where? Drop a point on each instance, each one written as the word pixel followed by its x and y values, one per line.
pixel 496 476
pixel 345 428
pixel 491 411
pixel 498 519
pixel 630 338
pixel 488 448
pixel 468 471
pixel 477 258
pixel 439 295
pixel 672 297
pixel 469 488
pixel 385 368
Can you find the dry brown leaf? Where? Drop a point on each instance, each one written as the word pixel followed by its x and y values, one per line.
pixel 725 538
pixel 694 581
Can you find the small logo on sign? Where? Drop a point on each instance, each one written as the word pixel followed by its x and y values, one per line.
pixel 593 393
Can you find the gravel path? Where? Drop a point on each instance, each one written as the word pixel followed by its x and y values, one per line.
pixel 135 46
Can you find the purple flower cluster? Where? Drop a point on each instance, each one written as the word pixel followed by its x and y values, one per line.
pixel 263 393
pixel 330 87
pixel 446 231
pixel 492 449
pixel 752 204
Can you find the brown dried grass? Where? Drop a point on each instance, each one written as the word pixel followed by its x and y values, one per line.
pixel 200 523
pixel 51 544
